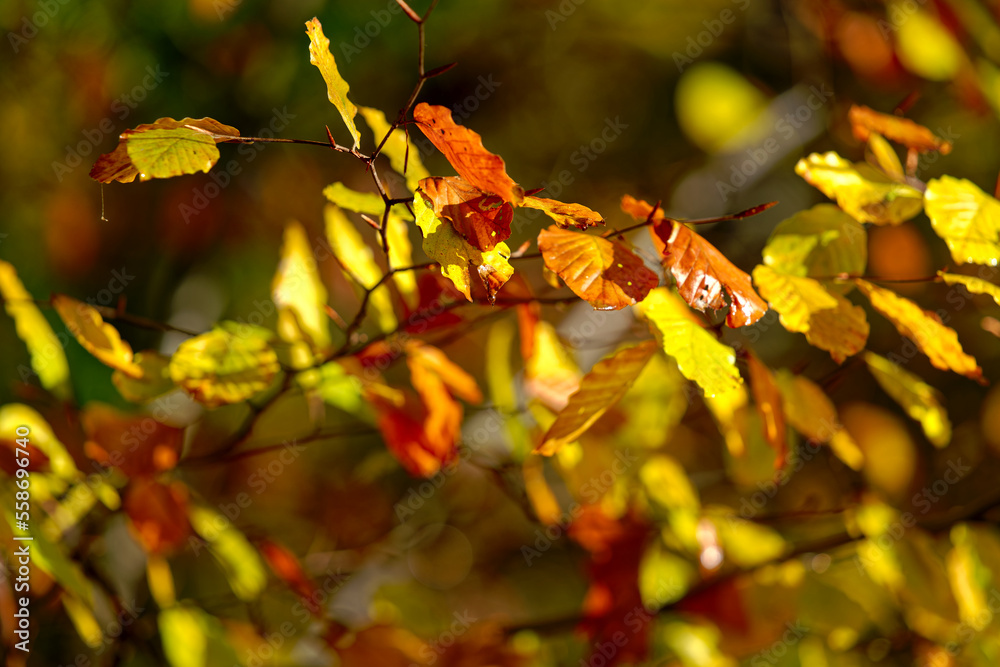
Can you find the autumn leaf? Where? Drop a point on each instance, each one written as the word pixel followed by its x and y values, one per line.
pixel 455 378
pixel 175 147
pixel 369 203
pixel 920 400
pixel 923 327
pixel 795 298
pixel 229 364
pixel 465 151
pixel 604 273
pixel 482 219
pixel 240 562
pixel 154 380
pixel 865 121
pixel 403 156
pixel 966 218
pixel 973 284
pixel 456 257
pixel 95 335
pixel 811 412
pixel 550 373
pixel 700 357
pixel 300 296
pixel 702 272
pixel 138 445
pixel 600 389
pixel 860 190
pixel 336 87
pixel 767 401
pixel 289 569
pixel 841 331
pixel 819 243
pixel 565 215
pixel 421 435
pixel 158 514
pixel 401 255
pixel 48 359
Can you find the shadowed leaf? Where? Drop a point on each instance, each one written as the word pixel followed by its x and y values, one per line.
pixel 812 413
pixel 239 561
pixel 483 220
pixel 154 379
pixel 767 401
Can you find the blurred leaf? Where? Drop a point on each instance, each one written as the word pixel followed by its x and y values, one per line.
pixel 458 381
pixel 482 219
pixel 866 122
pixel 194 638
pixel 358 262
pixel 456 257
pixel 153 381
pixel 286 566
pixel 885 158
pixel 95 335
pixel 748 544
pixel 667 483
pixel 604 273
pixel 82 618
pixel 543 500
pixel 655 404
pixel 923 327
pixel 339 388
pixel 664 577
pixel 229 364
pixel 369 203
pixel 973 284
pixel 968 576
pixel 700 357
pixel 860 190
pixel 400 256
pixel 240 562
pixel 728 409
pixel 158 514
pixel 13 415
pixel 767 401
pixel 48 359
pixel 810 412
pixel 600 389
pixel 138 445
pixel 967 219
pixel 550 374
pixel 917 398
pixel 465 151
pixel 565 215
pixel 336 87
pixel 925 46
pixel 300 296
pixel 403 155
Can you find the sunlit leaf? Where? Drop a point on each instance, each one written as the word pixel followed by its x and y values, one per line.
pixel 543 500
pixel 336 387
pixel 336 87
pixel 457 258
pixel 966 218
pixel 795 298
pixel 841 331
pixel 455 378
pixel 604 273
pixel 767 401
pixel 700 357
pixel 403 155
pixel 48 359
pixel 551 374
pixel 358 261
pixel 968 577
pixel 919 399
pixel 701 271
pixel 192 637
pixel 169 154
pixel 811 412
pixel 667 483
pixel 664 577
pixel 819 243
pixel 748 544
pixel 13 415
pixel 369 203
pixel 401 255
pixel 923 327
pixel 600 389
pixel 860 190
pixel 482 219
pixel 728 408
pixel 82 617
pixel 229 364
pixel 240 562
pixel 300 296
pixel 926 46
pixel 565 215
pixel 884 156
pixel 153 381
pixel 865 121
pixel 95 335
pixel 973 284
pixel 466 153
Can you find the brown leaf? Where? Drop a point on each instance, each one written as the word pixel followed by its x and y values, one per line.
pixel 768 402
pixel 158 514
pixel 117 165
pixel 864 121
pixel 466 153
pixel 565 215
pixel 604 273
pixel 482 219
pixel 701 271
pixel 135 444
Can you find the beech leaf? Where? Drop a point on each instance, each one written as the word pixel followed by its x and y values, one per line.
pixel 700 357
pixel 336 87
pixel 919 399
pixel 841 331
pixel 865 121
pixel 811 412
pixel 923 327
pixel 768 403
pixel 300 296
pixel 465 151
pixel 604 273
pixel 795 298
pixel 600 389
pixel 973 284
pixel 565 215
pixel 95 335
pixel 240 562
pixel 820 242
pixel 702 272
pixel 966 218
pixel 860 189
pixel 482 219
pixel 154 379
pixel 361 202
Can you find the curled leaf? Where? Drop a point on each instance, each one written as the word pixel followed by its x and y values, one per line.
pixel 336 87
pixel 865 121
pixel 95 335
pixel 973 284
pixel 565 215
pixel 919 399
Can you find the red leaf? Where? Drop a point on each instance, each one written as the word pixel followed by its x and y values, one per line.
pixel 287 567
pixel 482 219
pixel 158 514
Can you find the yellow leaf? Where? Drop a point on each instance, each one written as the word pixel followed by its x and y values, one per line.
pixel 565 215
pixel 403 155
pixel 401 255
pixel 48 359
pixel 655 404
pixel 860 190
pixel 358 261
pixel 457 257
pixel 229 364
pixel 542 499
pixel 154 380
pixel 700 357
pixel 841 331
pixel 192 637
pixel 938 342
pixel 96 336
pixel 917 398
pixel 13 415
pixel 301 298
pixel 551 374
pixel 240 562
pixel 966 218
pixel 746 543
pixel 599 390
pixel 369 203
pixel 819 242
pixel 667 483
pixel 973 284
pixel 336 87
pixel 924 45
pixel 796 298
pixel 727 409
pixel 810 412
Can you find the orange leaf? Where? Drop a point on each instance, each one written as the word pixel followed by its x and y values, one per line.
pixel 158 514
pixel 405 437
pixel 864 121
pixel 604 273
pixel 466 153
pixel 565 215
pixel 287 567
pixel 768 402
pixel 482 219
pixel 701 271
pixel 923 327
pixel 135 444
pixel 455 378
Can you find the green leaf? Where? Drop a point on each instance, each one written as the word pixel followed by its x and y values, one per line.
pixel 229 364
pixel 336 87
pixel 299 294
pixel 664 576
pixel 48 359
pixel 162 153
pixel 240 562
pixel 362 202
pixel 966 218
pixel 667 483
pixel 973 284
pixel 916 397
pixel 403 155
pixel 745 543
pixel 700 357
pixel 819 242
pixel 153 382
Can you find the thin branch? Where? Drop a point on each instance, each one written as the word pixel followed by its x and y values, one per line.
pixel 108 313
